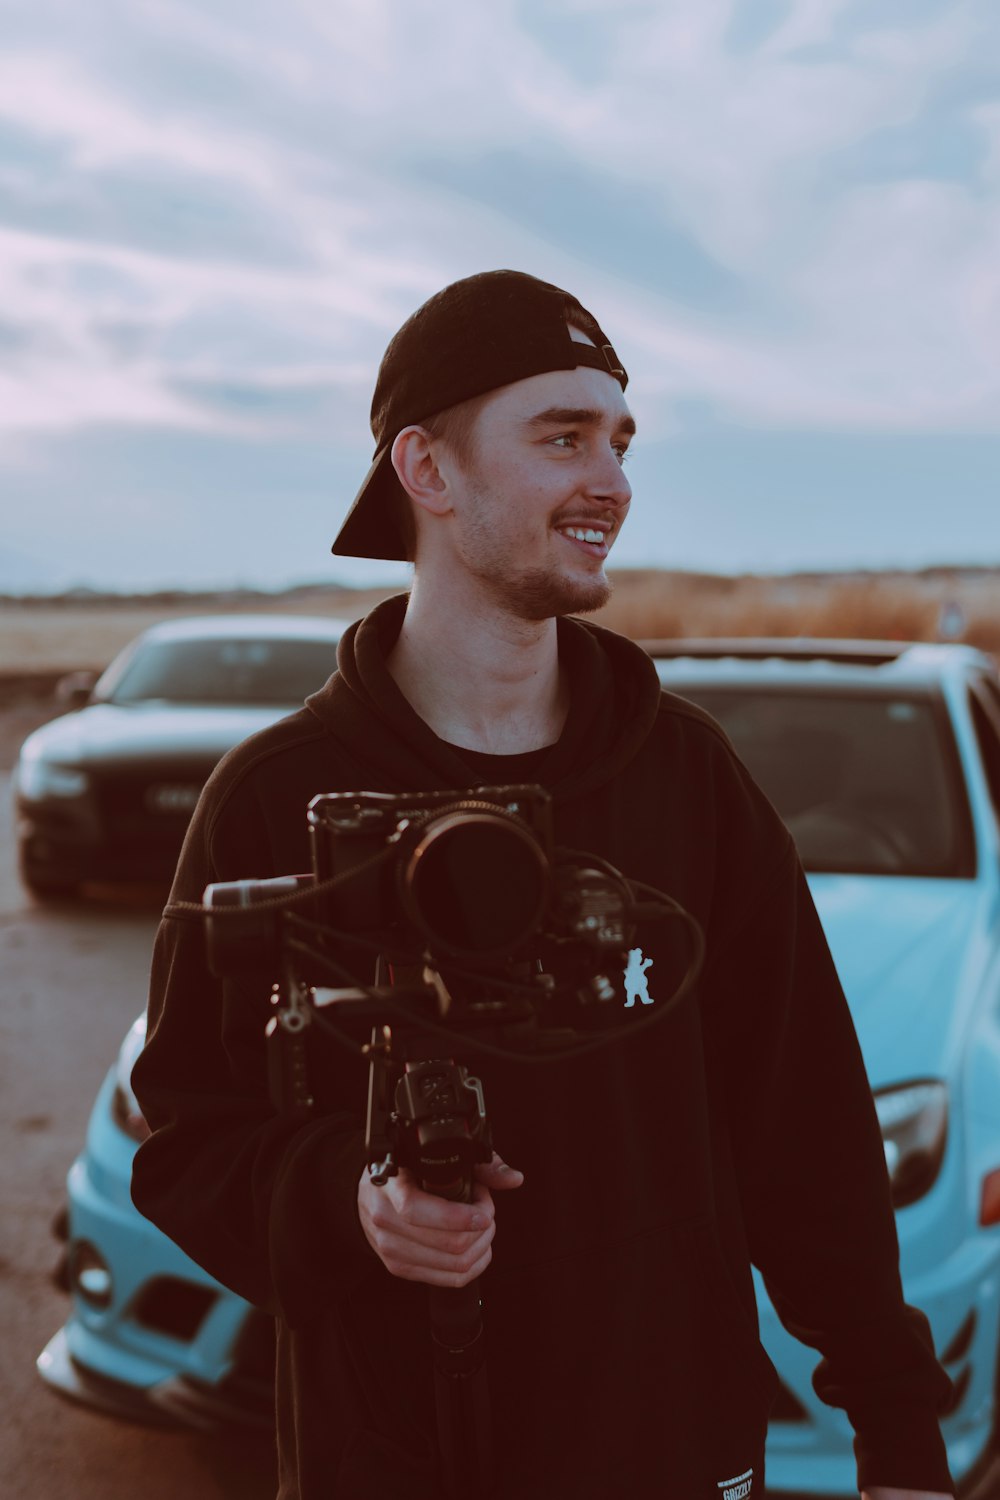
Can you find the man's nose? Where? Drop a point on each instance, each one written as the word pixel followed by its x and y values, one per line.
pixel 607 480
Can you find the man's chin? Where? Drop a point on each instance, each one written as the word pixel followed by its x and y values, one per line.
pixel 542 595
pixel 589 601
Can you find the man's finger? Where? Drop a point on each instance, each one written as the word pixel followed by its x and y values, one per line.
pixel 498 1174
pixel 434 1251
pixel 428 1211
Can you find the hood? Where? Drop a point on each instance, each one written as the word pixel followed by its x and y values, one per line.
pixel 910 953
pixel 614 697
pixel 118 734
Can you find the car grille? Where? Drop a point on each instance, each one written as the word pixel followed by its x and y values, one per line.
pixel 149 808
pixel 174 1307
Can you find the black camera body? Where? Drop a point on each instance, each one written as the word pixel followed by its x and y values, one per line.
pixel 466 878
pixel 469 877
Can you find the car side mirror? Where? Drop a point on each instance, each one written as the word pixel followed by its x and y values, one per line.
pixel 74 690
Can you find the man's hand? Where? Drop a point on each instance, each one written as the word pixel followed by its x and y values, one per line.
pixel 885 1492
pixel 421 1237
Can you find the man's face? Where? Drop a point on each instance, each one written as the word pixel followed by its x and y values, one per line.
pixel 543 496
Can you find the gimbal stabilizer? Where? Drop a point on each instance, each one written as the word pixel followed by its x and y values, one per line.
pixel 451 892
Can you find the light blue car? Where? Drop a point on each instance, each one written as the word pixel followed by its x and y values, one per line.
pixel 884 761
pixel 150 1336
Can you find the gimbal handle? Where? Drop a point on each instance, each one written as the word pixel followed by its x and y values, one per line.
pixel 437 1128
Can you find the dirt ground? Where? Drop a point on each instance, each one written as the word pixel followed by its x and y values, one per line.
pixel 75 978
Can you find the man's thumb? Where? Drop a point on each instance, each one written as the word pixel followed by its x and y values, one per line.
pixel 499 1174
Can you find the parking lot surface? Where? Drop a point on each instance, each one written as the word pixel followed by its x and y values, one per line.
pixel 74 978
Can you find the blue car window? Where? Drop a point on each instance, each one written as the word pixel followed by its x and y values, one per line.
pixel 863 782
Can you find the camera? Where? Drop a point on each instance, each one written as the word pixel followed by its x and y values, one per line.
pixel 461 877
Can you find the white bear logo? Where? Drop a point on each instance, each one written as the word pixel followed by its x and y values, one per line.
pixel 636 987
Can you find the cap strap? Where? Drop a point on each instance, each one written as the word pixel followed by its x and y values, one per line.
pixel 601 357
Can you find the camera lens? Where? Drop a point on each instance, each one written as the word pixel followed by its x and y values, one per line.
pixel 476 884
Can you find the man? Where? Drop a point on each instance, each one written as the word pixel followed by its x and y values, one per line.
pixel 622 1345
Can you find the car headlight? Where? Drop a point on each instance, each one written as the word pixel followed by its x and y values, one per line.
pixel 125 1109
pixel 38 779
pixel 914 1121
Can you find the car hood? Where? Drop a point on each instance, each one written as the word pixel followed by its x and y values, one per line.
pixel 117 734
pixel 910 954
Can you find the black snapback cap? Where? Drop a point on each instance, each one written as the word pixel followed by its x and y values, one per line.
pixel 475 336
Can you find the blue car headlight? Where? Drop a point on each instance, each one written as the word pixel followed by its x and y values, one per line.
pixel 125 1109
pixel 90 1275
pixel 914 1121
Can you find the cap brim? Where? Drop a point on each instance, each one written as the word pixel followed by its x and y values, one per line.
pixel 371 527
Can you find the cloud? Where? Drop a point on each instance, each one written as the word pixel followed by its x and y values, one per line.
pixel 218 229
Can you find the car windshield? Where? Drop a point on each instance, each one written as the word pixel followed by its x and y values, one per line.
pixel 221 671
pixel 866 784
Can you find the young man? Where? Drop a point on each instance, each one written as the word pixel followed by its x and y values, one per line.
pixel 623 1354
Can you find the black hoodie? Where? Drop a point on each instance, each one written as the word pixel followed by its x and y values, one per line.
pixel 623 1353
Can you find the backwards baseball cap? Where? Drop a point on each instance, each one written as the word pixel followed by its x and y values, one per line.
pixel 473 337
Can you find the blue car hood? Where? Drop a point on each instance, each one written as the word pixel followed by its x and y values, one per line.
pixel 910 953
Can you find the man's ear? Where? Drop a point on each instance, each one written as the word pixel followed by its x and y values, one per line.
pixel 418 472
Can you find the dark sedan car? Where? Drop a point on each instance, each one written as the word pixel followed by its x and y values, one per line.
pixel 106 793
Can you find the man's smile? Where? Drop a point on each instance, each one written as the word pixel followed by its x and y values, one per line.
pixel 593 539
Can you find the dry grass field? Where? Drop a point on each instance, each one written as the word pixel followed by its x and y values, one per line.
pixel 868 606
pixel 47 635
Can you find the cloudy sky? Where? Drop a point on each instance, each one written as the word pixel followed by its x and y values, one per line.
pixel 213 216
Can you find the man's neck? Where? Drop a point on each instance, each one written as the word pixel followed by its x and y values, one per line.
pixel 480 677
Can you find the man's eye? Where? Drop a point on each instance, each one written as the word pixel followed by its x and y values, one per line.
pixel 622 451
pixel 567 438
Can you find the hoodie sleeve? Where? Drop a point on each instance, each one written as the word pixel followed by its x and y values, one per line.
pixel 809 1156
pixel 266 1206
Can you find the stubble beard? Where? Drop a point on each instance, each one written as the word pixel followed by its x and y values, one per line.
pixel 541 593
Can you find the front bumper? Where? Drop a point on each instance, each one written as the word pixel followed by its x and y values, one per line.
pixel 239 1399
pixel 810 1445
pixel 169 1343
pixel 56 846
